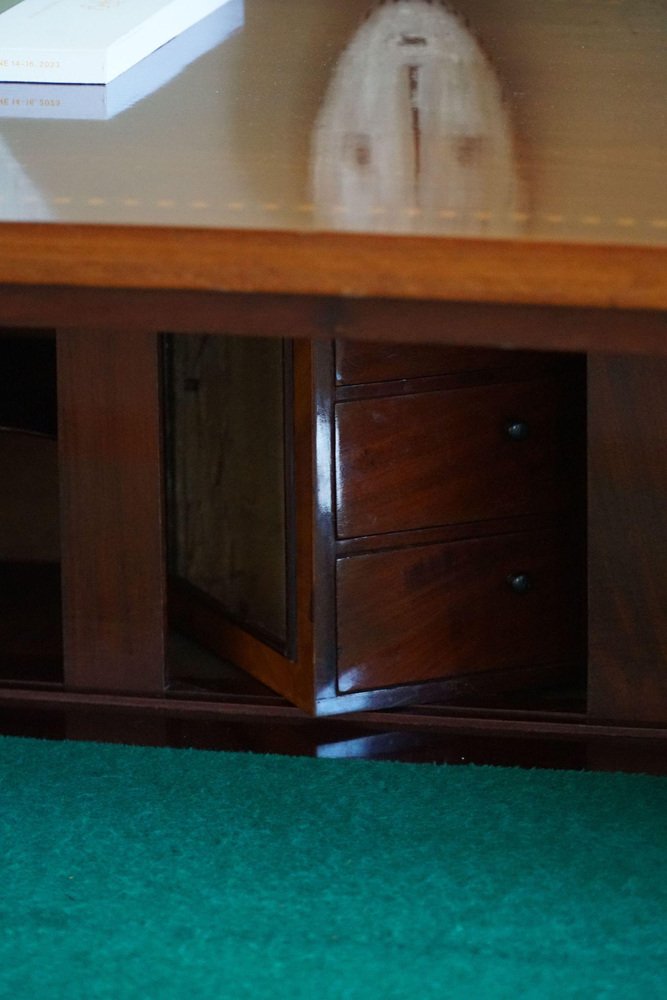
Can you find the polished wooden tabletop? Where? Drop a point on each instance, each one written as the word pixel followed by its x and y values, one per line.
pixel 499 152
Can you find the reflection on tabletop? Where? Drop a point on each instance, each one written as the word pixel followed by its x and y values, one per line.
pixel 414 132
pixel 545 121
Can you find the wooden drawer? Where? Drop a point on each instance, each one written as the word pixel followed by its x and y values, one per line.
pixel 446 610
pixel 436 458
pixel 358 362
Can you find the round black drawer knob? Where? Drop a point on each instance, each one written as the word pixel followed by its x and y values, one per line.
pixel 517 430
pixel 520 583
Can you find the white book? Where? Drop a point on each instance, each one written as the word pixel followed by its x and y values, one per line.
pixel 88 41
pixel 95 102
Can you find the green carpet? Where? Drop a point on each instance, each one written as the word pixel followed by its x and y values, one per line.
pixel 155 873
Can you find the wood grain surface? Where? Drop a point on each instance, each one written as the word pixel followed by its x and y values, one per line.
pixel 443 457
pixel 627 402
pixel 111 511
pixel 361 362
pixel 340 264
pixel 444 610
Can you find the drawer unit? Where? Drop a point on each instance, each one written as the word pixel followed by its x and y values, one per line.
pixel 427 612
pixel 456 456
pixel 358 362
pixel 426 528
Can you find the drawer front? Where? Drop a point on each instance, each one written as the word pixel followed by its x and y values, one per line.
pixel 358 362
pixel 446 610
pixel 437 458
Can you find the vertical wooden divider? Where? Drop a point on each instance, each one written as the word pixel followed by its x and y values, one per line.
pixel 113 571
pixel 627 538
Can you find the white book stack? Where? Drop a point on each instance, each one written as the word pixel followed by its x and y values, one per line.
pixel 88 41
pixel 94 102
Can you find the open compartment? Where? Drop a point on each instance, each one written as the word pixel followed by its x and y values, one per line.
pixel 30 602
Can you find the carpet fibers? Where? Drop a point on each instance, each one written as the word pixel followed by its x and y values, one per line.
pixel 156 873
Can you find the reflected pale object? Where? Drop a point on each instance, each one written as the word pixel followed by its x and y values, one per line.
pixel 16 188
pixel 413 127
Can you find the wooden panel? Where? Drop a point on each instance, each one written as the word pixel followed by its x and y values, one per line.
pixel 228 510
pixel 496 325
pixel 355 265
pixel 204 619
pixel 442 457
pixel 195 615
pixel 111 511
pixel 628 539
pixel 602 330
pixel 358 362
pixel 439 611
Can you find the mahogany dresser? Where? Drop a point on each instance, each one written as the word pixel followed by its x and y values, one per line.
pixel 359 327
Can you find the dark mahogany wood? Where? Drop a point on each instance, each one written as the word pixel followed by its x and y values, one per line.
pixel 628 538
pixel 455 475
pixel 358 362
pixel 434 611
pixel 111 511
pixel 198 615
pixel 445 533
pixel 289 670
pixel 443 457
pixel 505 325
